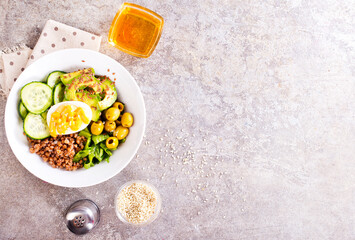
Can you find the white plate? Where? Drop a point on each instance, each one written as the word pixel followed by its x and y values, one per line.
pixel 71 60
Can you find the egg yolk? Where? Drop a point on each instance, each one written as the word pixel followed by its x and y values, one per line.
pixel 65 117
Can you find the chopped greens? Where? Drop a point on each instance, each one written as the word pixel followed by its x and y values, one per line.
pixel 94 149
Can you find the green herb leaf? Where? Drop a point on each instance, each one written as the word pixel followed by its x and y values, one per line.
pixel 99 152
pixel 88 165
pixel 99 138
pixel 85 133
pixel 91 155
pixel 81 154
pixel 89 162
pixel 107 151
pixel 88 141
pixel 107 159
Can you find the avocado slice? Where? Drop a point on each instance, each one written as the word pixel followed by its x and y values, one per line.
pixel 69 77
pixel 110 94
pixel 83 86
pixel 85 81
pixel 91 100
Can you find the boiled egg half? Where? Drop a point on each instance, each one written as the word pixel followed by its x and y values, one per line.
pixel 68 117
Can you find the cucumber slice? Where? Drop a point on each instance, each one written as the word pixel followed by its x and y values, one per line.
pixel 22 110
pixel 58 93
pixel 36 97
pixel 54 78
pixel 35 127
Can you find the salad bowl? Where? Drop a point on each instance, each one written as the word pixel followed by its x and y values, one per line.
pixel 69 60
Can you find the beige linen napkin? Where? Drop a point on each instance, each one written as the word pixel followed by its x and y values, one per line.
pixel 12 62
pixel 55 36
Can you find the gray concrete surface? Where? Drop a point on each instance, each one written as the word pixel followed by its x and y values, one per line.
pixel 250 128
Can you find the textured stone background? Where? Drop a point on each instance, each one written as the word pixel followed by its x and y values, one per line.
pixel 250 128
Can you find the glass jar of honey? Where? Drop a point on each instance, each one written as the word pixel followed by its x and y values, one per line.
pixel 136 30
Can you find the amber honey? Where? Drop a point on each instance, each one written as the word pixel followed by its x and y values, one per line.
pixel 136 30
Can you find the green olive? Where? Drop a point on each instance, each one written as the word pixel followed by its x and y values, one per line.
pixel 118 105
pixel 120 132
pixel 111 143
pixel 110 126
pixel 112 114
pixel 97 127
pixel 127 119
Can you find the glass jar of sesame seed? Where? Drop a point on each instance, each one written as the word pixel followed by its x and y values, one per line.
pixel 137 203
